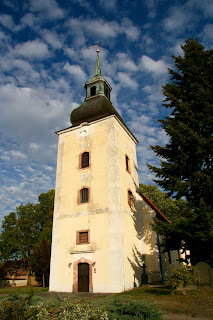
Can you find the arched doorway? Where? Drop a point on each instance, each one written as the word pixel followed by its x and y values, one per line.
pixel 83 277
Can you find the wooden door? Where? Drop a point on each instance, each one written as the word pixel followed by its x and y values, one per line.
pixel 83 277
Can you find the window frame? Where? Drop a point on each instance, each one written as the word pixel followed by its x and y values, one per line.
pixel 78 236
pixel 79 195
pixel 127 163
pixel 80 160
pixel 131 203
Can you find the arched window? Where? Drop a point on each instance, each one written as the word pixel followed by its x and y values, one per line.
pixel 84 195
pixel 127 164
pixel 131 201
pixel 84 160
pixel 93 91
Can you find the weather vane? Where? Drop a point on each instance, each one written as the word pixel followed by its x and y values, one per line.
pixel 96 46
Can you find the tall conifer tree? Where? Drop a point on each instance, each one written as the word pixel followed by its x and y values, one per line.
pixel 186 166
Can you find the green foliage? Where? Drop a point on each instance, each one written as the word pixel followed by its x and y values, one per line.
pixel 120 308
pixel 187 169
pixel 182 277
pixel 12 308
pixel 186 165
pixel 27 229
pixel 40 261
pixel 165 204
pixel 171 234
pixel 123 308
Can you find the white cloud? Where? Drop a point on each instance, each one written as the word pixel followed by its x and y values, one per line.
pixel 71 53
pixel 33 50
pixel 18 155
pixel 207 33
pixel 30 20
pixel 51 38
pixel 34 146
pixel 7 21
pixel 100 28
pixel 124 62
pixel 26 69
pixel 177 20
pixel 152 7
pixel 48 7
pixel 156 67
pixel 177 50
pixel 33 112
pixel 109 4
pixel 132 32
pixel 76 71
pixel 205 5
pixel 125 81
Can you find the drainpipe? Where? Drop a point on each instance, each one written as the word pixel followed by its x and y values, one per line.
pixel 160 259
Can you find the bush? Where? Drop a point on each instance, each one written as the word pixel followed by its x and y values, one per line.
pixel 12 308
pixel 123 308
pixel 119 308
pixel 18 309
pixel 182 276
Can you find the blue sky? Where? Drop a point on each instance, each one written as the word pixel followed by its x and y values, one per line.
pixel 47 55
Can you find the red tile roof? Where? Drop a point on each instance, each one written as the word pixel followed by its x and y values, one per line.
pixel 149 202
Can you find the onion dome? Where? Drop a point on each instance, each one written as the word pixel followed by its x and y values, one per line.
pixel 97 103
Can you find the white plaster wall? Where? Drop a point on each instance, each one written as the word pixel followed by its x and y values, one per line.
pixel 54 268
pixel 111 272
pixel 115 217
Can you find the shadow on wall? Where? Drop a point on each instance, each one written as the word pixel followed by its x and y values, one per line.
pixel 139 267
pixel 146 260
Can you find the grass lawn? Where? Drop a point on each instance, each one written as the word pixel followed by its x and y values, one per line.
pixel 195 303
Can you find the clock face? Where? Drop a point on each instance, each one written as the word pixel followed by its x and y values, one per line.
pixel 84 132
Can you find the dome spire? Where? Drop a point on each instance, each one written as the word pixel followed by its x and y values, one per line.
pixel 97 65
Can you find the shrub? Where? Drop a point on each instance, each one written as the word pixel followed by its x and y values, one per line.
pixel 123 308
pixel 120 308
pixel 12 308
pixel 182 276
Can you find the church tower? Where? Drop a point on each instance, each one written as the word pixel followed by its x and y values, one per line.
pixel 98 220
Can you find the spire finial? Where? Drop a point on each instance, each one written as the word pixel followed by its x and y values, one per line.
pixel 97 65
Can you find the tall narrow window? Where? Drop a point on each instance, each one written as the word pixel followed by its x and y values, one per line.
pixel 93 91
pixel 127 164
pixel 131 201
pixel 84 195
pixel 84 161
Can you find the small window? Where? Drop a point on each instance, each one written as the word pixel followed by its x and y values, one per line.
pixel 82 237
pixel 106 92
pixel 93 91
pixel 131 201
pixel 127 164
pixel 84 161
pixel 84 195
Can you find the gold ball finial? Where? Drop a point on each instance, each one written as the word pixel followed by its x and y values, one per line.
pixel 96 46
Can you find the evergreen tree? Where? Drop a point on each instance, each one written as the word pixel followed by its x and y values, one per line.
pixel 186 165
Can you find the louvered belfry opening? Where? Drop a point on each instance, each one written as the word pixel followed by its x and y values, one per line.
pixel 83 237
pixel 85 160
pixel 84 195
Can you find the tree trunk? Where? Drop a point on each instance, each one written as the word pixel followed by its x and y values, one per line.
pixel 29 277
pixel 43 281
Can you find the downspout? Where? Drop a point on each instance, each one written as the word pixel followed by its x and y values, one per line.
pixel 160 259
